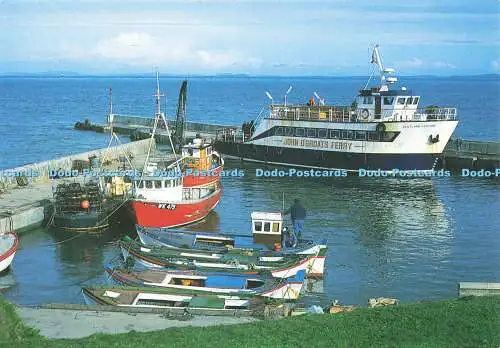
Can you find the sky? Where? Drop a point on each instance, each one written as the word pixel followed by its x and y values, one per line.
pixel 446 37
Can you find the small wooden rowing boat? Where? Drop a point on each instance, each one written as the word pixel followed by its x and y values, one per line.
pixel 279 266
pixel 8 247
pixel 206 304
pixel 182 239
pixel 212 282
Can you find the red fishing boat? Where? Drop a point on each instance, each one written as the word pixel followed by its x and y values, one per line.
pixel 181 193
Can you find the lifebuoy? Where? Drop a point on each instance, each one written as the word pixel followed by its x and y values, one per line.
pixel 380 128
pixel 364 114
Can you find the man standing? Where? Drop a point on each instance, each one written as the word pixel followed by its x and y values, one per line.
pixel 298 215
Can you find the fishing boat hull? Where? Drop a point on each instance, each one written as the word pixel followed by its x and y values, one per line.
pixel 174 214
pixel 9 243
pixel 217 242
pixel 163 299
pixel 82 222
pixel 217 283
pixel 278 266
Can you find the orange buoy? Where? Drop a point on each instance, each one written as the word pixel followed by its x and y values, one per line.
pixel 85 204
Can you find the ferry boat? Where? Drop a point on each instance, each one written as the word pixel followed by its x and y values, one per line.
pixel 168 198
pixel 384 129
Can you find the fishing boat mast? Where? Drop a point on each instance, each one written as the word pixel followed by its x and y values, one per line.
pixel 159 116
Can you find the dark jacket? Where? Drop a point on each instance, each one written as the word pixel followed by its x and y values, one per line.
pixel 297 212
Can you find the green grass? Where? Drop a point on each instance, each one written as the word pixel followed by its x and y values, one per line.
pixel 470 322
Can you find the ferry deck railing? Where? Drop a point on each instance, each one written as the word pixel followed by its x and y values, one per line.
pixel 346 114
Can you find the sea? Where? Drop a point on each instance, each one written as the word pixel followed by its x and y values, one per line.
pixel 410 239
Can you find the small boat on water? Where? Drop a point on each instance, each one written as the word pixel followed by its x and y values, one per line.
pixel 268 224
pixel 8 247
pixel 212 282
pixel 279 266
pixel 84 207
pixel 170 299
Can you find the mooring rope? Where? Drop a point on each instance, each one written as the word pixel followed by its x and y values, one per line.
pixel 114 211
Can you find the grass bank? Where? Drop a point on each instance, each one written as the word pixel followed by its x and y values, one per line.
pixel 469 322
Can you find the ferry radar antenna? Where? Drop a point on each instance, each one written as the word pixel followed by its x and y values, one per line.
pixel 321 101
pixel 270 97
pixel 288 92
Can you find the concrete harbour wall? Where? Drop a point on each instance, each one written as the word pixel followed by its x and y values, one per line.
pixel 8 176
pixel 27 206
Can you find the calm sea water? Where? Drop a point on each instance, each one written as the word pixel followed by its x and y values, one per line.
pixel 410 239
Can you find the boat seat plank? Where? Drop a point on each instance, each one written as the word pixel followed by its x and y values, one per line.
pixel 207 302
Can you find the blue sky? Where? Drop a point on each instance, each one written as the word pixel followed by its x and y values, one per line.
pixel 448 37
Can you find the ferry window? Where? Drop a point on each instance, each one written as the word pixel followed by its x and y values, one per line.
pixel 335 134
pixel 149 184
pixel 267 227
pixel 373 136
pixel 276 227
pixel 168 183
pixel 388 100
pixel 311 133
pixel 409 101
pixel 300 132
pixel 278 131
pixel 401 101
pixel 347 134
pixel 257 226
pixel 289 131
pixel 360 135
pixel 367 100
pixel 415 100
pixel 322 133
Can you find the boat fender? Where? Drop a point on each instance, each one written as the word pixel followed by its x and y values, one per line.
pixel 364 114
pixel 380 128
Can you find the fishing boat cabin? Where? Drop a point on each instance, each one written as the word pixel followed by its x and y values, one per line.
pixel 267 228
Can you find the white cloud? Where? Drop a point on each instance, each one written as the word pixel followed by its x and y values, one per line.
pixel 412 63
pixel 444 65
pixel 141 49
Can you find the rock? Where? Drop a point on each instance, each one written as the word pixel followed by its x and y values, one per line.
pixel 381 302
pixel 315 309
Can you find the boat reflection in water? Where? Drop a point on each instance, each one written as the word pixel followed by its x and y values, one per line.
pixel 7 280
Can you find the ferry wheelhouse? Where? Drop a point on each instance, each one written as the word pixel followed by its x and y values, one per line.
pixel 168 198
pixel 385 128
